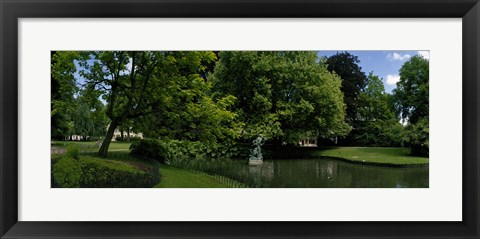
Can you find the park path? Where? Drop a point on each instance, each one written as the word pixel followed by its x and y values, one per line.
pixel 57 150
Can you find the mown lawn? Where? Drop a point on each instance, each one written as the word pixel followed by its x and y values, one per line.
pixel 171 177
pixel 92 146
pixel 375 155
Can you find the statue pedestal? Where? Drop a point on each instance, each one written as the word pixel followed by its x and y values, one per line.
pixel 255 162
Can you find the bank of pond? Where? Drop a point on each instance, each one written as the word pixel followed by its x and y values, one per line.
pixel 339 167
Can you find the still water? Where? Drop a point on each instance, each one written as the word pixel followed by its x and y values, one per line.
pixel 330 173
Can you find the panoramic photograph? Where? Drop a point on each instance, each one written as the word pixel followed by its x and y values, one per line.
pixel 240 119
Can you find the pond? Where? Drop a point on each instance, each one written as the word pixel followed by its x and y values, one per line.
pixel 331 173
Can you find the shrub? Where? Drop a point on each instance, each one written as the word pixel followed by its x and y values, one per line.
pixel 171 151
pixel 135 138
pixel 73 150
pixel 418 138
pixel 102 173
pixel 149 149
pixel 66 173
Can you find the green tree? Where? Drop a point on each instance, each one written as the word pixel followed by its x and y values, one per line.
pixel 89 119
pixel 283 95
pixel 63 88
pixel 354 80
pixel 411 99
pixel 418 137
pixel 377 123
pixel 191 114
pixel 411 93
pixel 137 84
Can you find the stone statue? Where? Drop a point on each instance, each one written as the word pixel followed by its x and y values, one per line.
pixel 256 152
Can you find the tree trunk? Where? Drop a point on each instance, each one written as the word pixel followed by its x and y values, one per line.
pixel 108 138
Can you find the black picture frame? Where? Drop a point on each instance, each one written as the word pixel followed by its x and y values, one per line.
pixel 11 11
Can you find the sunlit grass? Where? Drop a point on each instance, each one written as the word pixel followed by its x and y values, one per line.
pixel 171 177
pixel 92 146
pixel 376 155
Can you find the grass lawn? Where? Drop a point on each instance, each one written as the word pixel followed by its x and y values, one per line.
pixel 373 155
pixel 171 177
pixel 118 146
pixel 89 146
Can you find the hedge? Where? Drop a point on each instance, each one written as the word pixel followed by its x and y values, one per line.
pixel 88 172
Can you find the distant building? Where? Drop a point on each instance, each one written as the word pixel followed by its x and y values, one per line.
pixel 76 137
pixel 118 134
pixel 309 142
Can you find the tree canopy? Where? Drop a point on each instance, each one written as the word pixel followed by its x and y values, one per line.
pixel 284 96
pixel 140 84
pixel 411 93
pixel 353 78
pixel 63 88
pixel 353 81
pixel 377 122
pixel 411 99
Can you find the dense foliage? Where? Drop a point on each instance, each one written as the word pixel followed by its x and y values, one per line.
pixel 411 93
pixel 149 149
pixel 63 88
pixel 174 151
pixel 370 111
pixel 412 102
pixel 418 137
pixel 158 89
pixel 377 123
pixel 353 81
pixel 93 173
pixel 285 96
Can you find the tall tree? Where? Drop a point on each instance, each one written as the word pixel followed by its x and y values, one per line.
pixel 354 81
pixel 136 84
pixel 377 123
pixel 89 119
pixel 411 93
pixel 285 96
pixel 63 88
pixel 412 102
pixel 373 101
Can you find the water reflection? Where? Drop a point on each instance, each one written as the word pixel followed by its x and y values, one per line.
pixel 328 173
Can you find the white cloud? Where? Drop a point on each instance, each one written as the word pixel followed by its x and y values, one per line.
pixel 392 79
pixel 398 57
pixel 424 54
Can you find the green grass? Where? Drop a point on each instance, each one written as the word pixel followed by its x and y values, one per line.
pixel 118 146
pixel 90 146
pixel 171 177
pixel 373 155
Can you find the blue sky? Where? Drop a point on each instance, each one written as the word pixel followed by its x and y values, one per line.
pixel 385 64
